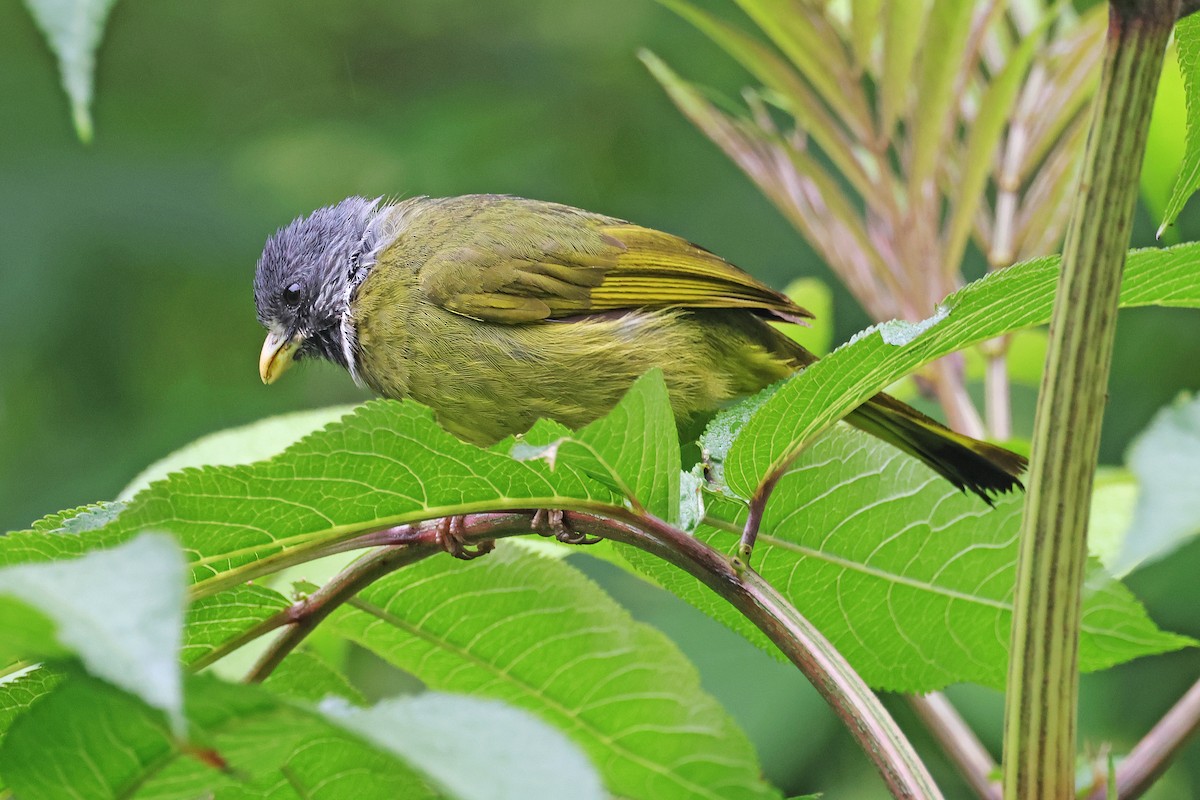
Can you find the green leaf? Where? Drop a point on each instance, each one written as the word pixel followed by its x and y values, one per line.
pixel 120 610
pixel 804 34
pixel 910 579
pixel 1166 139
pixel 637 442
pixel 1165 458
pixel 73 29
pixel 386 464
pixel 995 111
pixel 535 633
pixel 1017 297
pixel 304 675
pixel 85 739
pixel 1114 496
pixel 19 691
pixel 1187 42
pixel 934 112
pixel 901 36
pixel 866 16
pixel 432 730
pixel 218 618
pixel 89 739
pixel 777 75
pixel 240 445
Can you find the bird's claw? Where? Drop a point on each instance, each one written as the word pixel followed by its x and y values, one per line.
pixel 547 522
pixel 452 539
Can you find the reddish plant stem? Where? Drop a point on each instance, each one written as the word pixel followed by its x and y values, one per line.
pixel 1154 753
pixel 958 742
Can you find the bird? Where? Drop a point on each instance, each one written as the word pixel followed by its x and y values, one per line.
pixel 496 310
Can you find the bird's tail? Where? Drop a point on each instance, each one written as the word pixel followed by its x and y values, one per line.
pixel 983 468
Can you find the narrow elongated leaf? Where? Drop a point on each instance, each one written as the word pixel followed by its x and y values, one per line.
pixel 982 143
pixel 1166 460
pixel 777 75
pixel 909 579
pixel 804 34
pixel 933 112
pixel 119 610
pixel 387 464
pixel 865 19
pixel 901 36
pixel 1187 41
pixel 73 28
pixel 1017 297
pixel 535 633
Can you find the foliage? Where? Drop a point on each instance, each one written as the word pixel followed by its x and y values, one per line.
pixel 898 156
pixel 913 587
pixel 1187 39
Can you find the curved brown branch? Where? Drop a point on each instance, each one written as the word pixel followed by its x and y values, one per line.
pixel 854 702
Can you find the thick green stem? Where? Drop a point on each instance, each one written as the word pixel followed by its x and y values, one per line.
pixel 1043 680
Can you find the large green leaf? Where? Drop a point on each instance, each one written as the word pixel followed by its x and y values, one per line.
pixel 534 632
pixel 119 610
pixel 1008 300
pixel 240 445
pixel 73 28
pixel 1187 42
pixel 387 464
pixel 910 579
pixel 88 739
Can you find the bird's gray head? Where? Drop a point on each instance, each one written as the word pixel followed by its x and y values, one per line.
pixel 300 284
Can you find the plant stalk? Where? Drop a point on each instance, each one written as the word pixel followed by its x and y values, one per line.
pixel 1043 679
pixel 958 742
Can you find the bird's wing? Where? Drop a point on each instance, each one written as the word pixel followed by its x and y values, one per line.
pixel 541 261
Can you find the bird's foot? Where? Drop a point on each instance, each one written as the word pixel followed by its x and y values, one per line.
pixel 547 522
pixel 450 536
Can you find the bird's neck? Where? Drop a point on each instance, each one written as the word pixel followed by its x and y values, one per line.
pixel 330 345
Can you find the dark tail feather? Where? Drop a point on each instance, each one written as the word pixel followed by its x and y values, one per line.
pixel 985 469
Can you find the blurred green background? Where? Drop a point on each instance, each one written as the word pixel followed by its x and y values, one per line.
pixel 125 267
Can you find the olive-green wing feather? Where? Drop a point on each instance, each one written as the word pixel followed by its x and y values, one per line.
pixel 515 261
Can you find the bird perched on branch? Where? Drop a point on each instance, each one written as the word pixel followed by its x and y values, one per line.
pixel 495 311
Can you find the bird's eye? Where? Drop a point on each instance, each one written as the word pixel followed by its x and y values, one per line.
pixel 291 295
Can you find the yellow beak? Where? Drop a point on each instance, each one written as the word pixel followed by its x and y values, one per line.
pixel 277 354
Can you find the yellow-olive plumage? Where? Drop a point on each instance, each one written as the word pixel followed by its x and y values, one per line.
pixel 495 311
